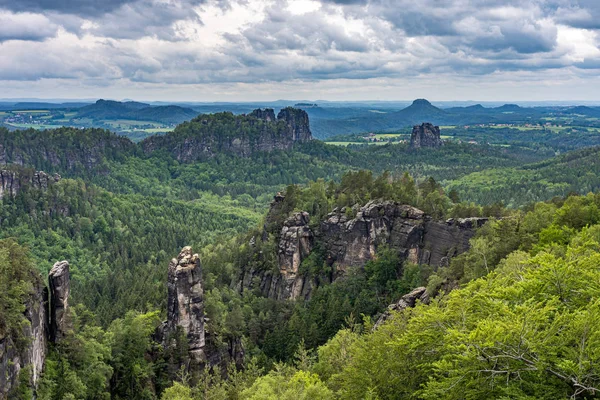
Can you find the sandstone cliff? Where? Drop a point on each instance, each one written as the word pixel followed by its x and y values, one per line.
pixel 185 306
pixel 345 242
pixel 241 135
pixel 13 181
pixel 425 135
pixel 186 321
pixel 60 288
pixel 29 351
pixel 47 321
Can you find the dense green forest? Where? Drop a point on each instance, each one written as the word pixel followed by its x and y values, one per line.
pixel 519 322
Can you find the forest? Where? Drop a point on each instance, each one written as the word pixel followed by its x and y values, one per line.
pixel 514 315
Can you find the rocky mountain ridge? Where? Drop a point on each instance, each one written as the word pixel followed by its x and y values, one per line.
pixel 208 135
pixel 351 241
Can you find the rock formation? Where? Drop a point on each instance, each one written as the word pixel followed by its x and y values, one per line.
pixel 425 135
pixel 407 301
pixel 295 244
pixel 350 242
pixel 186 317
pixel 297 123
pixel 59 281
pixel 45 325
pixel 241 135
pixel 267 114
pixel 185 305
pixel 408 230
pixel 12 181
pixel 27 353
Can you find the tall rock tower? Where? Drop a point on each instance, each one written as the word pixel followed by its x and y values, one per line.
pixel 185 306
pixel 60 287
pixel 425 135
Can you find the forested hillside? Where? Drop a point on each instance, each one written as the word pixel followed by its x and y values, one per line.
pixel 297 248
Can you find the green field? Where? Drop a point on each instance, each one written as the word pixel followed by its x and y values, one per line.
pixel 349 143
pixel 35 126
pixel 31 111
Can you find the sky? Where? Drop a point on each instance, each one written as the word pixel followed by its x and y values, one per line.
pixel 259 50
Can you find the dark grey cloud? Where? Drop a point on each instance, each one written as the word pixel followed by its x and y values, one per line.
pixel 85 8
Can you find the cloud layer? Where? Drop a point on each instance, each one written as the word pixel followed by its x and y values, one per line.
pixel 240 46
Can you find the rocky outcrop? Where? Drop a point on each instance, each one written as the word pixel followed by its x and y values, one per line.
pixel 28 351
pixel 295 244
pixel 13 181
pixel 186 320
pixel 425 135
pixel 60 287
pixel 185 305
pixel 297 123
pixel 346 241
pixel 267 114
pixel 407 301
pixel 415 236
pixel 241 135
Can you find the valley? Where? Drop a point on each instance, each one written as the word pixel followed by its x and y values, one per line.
pixel 293 247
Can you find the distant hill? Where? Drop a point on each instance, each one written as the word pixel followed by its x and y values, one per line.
pixel 112 110
pixel 419 111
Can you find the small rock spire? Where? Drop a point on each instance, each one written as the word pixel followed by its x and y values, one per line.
pixel 59 281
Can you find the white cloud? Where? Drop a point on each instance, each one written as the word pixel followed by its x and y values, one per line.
pixel 236 45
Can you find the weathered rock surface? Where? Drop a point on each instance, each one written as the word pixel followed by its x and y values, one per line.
pixel 60 287
pixel 425 135
pixel 185 305
pixel 295 244
pixel 407 301
pixel 185 315
pixel 203 137
pixel 31 352
pixel 351 242
pixel 408 230
pixel 12 181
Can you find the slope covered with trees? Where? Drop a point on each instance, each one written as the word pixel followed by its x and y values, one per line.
pixel 512 317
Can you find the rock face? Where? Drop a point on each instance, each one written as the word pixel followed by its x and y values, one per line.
pixel 12 181
pixel 407 301
pixel 295 244
pixel 408 230
pixel 60 287
pixel 185 303
pixel 241 135
pixel 32 352
pixel 186 317
pixel 346 242
pixel 425 135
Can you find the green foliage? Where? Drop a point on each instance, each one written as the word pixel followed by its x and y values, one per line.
pixel 524 330
pixel 17 282
pixel 288 384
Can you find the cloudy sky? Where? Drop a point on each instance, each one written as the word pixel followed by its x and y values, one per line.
pixel 228 50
